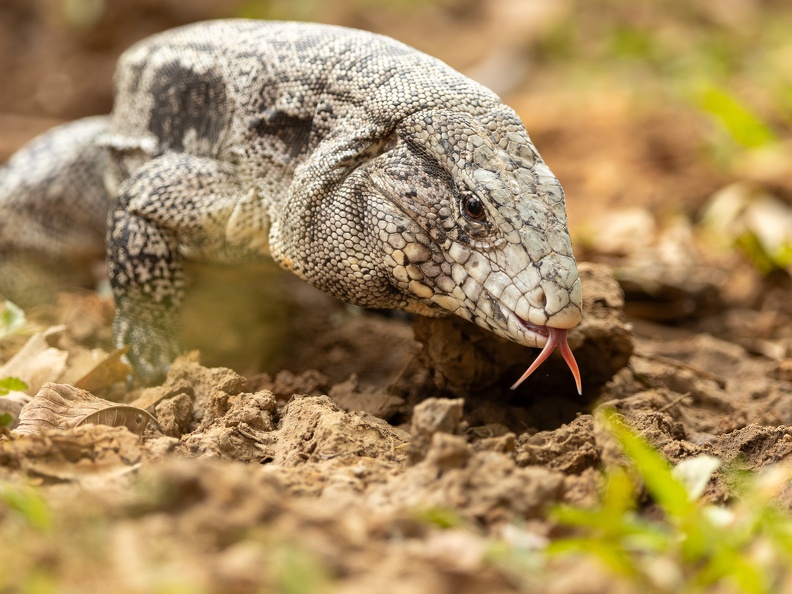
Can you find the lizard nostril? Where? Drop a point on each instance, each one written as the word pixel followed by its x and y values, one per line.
pixel 541 298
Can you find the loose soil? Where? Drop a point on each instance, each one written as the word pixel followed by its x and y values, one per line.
pixel 355 451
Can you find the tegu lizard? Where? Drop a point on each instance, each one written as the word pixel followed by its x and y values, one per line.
pixel 371 170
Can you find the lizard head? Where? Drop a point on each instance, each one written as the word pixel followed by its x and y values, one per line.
pixel 474 223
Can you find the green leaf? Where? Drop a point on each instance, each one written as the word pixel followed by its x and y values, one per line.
pixel 734 566
pixel 6 419
pixel 745 127
pixel 439 516
pixel 28 504
pixel 618 501
pixel 631 43
pixel 299 572
pixel 620 494
pixel 610 554
pixel 12 384
pixel 12 319
pixel 576 516
pixel 750 244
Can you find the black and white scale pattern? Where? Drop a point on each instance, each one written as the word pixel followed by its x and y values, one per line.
pixel 373 171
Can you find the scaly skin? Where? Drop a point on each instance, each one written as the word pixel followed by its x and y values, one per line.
pixel 373 171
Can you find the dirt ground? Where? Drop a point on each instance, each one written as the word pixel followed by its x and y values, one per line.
pixel 356 451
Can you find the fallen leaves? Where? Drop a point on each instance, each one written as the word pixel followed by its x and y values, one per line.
pixel 37 362
pixel 50 356
pixel 61 406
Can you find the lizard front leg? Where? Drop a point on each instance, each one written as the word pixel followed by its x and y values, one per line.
pixel 176 205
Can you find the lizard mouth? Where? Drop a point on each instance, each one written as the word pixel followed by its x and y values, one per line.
pixel 555 337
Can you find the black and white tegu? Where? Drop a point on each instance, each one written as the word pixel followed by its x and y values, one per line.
pixel 373 171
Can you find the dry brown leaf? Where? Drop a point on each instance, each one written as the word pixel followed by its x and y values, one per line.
pixel 120 415
pixel 36 363
pixel 150 397
pixel 106 372
pixel 61 406
pixel 80 362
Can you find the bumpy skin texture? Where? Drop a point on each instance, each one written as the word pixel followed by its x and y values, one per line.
pixel 373 171
pixel 53 207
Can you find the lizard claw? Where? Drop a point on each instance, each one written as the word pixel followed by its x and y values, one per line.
pixel 556 337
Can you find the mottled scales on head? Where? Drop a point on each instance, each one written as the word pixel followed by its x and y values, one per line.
pixel 493 245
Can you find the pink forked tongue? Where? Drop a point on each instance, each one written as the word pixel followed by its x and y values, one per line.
pixel 556 338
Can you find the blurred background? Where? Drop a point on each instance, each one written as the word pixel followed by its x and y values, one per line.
pixel 667 122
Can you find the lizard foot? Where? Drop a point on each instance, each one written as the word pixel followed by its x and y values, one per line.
pixel 151 349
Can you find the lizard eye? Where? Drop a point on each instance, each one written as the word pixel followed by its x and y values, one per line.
pixel 473 208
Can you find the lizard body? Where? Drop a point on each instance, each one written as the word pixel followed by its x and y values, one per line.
pixel 371 170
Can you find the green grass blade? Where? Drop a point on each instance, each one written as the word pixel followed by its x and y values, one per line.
pixel 652 467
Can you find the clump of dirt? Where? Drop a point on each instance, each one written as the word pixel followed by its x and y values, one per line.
pixel 70 454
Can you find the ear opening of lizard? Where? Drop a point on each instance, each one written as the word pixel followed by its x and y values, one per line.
pixel 375 172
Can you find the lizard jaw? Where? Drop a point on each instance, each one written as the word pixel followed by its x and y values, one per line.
pixel 554 337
